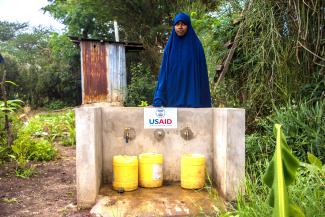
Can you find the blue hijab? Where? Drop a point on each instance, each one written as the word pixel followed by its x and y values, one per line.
pixel 183 77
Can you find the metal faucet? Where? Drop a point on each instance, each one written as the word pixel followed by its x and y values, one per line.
pixel 187 133
pixel 129 134
pixel 159 134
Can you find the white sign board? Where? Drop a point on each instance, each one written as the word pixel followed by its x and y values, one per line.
pixel 160 118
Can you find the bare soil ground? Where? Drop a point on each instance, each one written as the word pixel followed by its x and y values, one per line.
pixel 50 192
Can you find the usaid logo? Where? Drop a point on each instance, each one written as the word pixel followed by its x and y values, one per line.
pixel 160 118
pixel 160 112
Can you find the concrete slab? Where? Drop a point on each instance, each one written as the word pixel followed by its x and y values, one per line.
pixel 170 200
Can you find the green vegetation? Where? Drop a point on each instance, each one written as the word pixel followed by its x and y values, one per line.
pixel 35 140
pixel 275 60
pixel 141 87
pixel 277 75
pixel 279 175
pixel 302 125
pixel 302 137
pixel 307 193
pixel 9 200
pixel 44 65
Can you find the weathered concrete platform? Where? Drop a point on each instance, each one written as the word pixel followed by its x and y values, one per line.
pixel 170 200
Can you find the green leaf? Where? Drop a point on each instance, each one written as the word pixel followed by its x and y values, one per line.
pixel 295 211
pixel 9 200
pixel 143 104
pixel 16 100
pixel 10 82
pixel 314 160
pixel 280 174
pixel 12 156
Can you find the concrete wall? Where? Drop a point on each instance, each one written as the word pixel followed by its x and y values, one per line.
pixel 218 133
pixel 229 151
pixel 89 154
pixel 116 119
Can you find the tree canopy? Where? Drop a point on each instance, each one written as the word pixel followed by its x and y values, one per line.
pixel 41 63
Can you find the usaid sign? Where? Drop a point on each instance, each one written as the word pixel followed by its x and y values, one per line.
pixel 160 118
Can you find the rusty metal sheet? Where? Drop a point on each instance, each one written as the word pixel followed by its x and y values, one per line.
pixel 94 72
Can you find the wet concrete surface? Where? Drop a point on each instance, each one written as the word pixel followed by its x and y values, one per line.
pixel 169 200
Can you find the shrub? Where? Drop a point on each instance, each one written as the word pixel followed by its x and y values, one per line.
pixel 42 150
pixel 55 127
pixel 28 148
pixel 55 105
pixel 4 153
pixel 303 125
pixel 141 87
pixel 35 140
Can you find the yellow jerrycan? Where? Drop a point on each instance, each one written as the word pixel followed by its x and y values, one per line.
pixel 192 171
pixel 125 173
pixel 150 170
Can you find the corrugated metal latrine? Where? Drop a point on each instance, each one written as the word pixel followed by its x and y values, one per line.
pixel 103 72
pixel 116 73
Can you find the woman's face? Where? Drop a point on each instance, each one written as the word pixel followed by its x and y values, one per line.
pixel 180 28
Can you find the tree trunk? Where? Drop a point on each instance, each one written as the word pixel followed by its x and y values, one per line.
pixel 4 97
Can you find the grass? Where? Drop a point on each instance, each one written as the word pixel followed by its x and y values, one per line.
pixel 308 192
pixel 55 127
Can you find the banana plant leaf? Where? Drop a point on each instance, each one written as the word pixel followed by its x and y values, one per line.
pixel 279 175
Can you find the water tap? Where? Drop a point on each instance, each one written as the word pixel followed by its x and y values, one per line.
pixel 159 134
pixel 129 134
pixel 187 133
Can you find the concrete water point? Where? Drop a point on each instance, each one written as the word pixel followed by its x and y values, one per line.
pixel 216 133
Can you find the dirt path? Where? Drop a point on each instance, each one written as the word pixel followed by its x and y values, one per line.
pixel 51 192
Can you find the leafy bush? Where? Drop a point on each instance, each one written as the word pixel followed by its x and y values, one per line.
pixel 141 87
pixel 35 140
pixel 55 105
pixel 55 127
pixel 4 153
pixel 42 150
pixel 14 125
pixel 259 147
pixel 53 71
pixel 27 148
pixel 303 125
pixel 315 91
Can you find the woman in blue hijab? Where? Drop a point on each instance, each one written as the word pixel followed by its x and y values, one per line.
pixel 183 77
